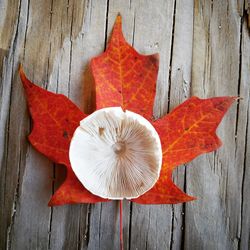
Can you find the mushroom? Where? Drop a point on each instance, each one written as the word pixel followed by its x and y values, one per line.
pixel 116 154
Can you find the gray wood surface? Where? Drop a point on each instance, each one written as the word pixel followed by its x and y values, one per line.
pixel 204 50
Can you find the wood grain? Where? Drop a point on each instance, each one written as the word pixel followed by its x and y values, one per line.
pixel 204 50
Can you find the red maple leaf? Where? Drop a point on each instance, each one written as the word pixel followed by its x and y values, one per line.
pixel 125 78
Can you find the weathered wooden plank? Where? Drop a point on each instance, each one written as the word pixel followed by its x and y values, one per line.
pixel 179 91
pixel 14 122
pixel 216 178
pixel 35 185
pixel 244 138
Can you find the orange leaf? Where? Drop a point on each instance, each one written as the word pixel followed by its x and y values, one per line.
pixel 123 77
pixel 188 131
pixel 55 119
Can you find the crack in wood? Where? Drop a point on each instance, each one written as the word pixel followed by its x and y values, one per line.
pixel 172 229
pixel 50 29
pixel 130 225
pixel 244 180
pixel 87 226
pixel 168 107
pixel 239 83
pixel 183 211
pixel 171 58
pixel 14 206
pixel 106 26
pixel 6 237
pixel 54 165
pixel 71 48
pixel 100 223
pixel 26 30
pixel 51 209
pixel 133 32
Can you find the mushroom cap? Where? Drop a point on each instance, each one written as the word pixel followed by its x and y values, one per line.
pixel 116 154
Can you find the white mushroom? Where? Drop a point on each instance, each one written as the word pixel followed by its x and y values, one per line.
pixel 116 154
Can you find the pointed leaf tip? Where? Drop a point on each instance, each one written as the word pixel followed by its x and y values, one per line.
pixel 20 67
pixel 117 36
pixel 195 121
pixel 55 119
pixel 118 18
pixel 123 77
pixel 20 70
pixel 21 73
pixel 164 192
pixel 25 81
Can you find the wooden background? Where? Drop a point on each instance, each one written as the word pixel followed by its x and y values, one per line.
pixel 204 50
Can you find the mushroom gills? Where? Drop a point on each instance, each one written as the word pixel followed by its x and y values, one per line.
pixel 116 154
